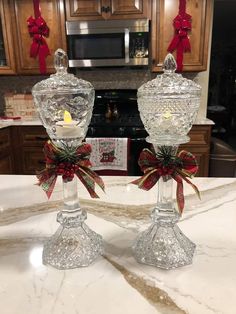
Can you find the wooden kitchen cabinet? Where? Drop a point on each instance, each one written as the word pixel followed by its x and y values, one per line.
pixel 199 146
pixel 33 139
pixel 7 55
pixel 6 158
pixel 163 13
pixel 106 9
pixel 21 148
pixel 33 159
pixel 28 142
pixel 53 13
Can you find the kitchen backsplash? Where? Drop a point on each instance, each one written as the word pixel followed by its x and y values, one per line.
pixel 16 85
pixel 20 105
pixel 101 79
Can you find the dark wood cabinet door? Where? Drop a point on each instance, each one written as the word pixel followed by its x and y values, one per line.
pixel 199 146
pixel 106 9
pixel 35 136
pixel 163 13
pixel 6 166
pixel 7 50
pixel 128 9
pixel 84 10
pixel 6 160
pixel 33 160
pixel 53 13
pixel 28 142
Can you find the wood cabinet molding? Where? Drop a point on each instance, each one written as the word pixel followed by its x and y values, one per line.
pixel 7 31
pixel 54 15
pixel 107 9
pixel 163 13
pixel 130 9
pixel 83 10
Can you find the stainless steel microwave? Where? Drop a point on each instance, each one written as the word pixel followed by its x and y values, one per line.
pixel 108 43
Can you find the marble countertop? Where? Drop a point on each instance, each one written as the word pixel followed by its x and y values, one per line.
pixel 115 283
pixel 20 122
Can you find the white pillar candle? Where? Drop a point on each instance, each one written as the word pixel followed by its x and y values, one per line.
pixel 68 128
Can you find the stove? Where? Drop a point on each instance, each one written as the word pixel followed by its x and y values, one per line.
pixel 116 114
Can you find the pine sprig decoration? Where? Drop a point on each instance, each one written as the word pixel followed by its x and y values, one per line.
pixel 167 157
pixel 67 154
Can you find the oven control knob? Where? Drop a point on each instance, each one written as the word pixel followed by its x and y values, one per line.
pixel 91 131
pixel 121 131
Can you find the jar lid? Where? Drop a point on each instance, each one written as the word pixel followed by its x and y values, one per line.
pixel 61 82
pixel 170 83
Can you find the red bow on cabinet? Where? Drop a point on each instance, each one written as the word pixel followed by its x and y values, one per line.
pixel 38 29
pixel 180 42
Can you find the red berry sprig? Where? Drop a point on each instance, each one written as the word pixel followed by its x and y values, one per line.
pixel 67 170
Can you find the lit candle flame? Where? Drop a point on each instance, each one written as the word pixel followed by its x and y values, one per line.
pixel 167 114
pixel 67 117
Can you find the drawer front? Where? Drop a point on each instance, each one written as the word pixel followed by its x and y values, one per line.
pixel 33 160
pixel 202 156
pixel 200 135
pixel 6 165
pixel 33 136
pixel 4 138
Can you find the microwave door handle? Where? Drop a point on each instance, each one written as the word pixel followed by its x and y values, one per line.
pixel 126 40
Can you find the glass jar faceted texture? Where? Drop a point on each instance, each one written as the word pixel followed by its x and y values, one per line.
pixel 63 92
pixel 168 105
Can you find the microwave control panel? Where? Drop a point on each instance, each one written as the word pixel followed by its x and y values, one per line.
pixel 138 45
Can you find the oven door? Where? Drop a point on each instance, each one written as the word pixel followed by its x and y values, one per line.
pixel 136 146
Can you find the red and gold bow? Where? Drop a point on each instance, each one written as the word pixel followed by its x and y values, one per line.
pixel 180 167
pixel 68 162
pixel 180 42
pixel 38 29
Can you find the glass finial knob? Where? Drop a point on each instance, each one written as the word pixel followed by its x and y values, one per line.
pixel 169 65
pixel 60 61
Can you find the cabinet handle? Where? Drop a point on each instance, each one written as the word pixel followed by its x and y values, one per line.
pixel 126 43
pixel 41 138
pixel 105 9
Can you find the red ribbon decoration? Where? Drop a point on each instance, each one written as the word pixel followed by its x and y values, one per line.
pixel 78 163
pixel 38 29
pixel 180 42
pixel 180 167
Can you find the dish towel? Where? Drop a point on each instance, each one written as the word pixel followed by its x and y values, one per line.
pixel 109 154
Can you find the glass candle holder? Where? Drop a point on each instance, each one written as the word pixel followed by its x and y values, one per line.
pixel 65 104
pixel 168 106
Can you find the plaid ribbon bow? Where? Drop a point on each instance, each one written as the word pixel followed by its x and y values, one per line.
pixel 68 162
pixel 163 164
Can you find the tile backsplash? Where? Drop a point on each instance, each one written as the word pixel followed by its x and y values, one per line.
pixel 100 78
pixel 16 85
pixel 20 105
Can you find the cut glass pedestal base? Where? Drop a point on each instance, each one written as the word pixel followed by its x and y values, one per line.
pixel 74 244
pixel 163 244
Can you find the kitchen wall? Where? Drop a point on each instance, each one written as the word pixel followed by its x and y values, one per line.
pixel 102 79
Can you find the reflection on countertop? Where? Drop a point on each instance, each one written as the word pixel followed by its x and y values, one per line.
pixel 116 283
